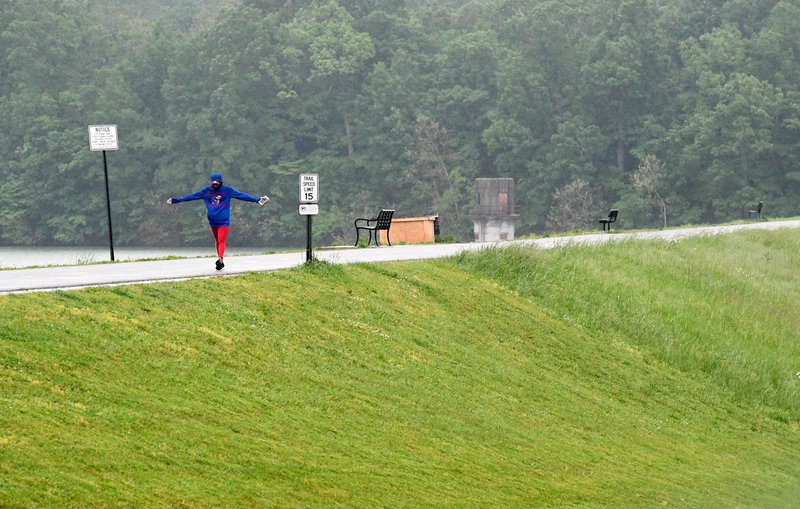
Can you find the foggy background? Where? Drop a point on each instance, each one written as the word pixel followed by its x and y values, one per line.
pixel 673 111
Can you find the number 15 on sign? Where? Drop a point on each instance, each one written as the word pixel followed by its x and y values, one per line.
pixel 309 188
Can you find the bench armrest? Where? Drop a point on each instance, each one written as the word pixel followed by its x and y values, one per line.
pixel 368 221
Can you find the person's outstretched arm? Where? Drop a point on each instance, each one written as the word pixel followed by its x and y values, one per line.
pixel 189 197
pixel 235 193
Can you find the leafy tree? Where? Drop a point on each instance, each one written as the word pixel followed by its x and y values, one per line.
pixel 384 119
pixel 337 53
pixel 435 180
pixel 649 182
pixel 726 139
pixel 574 207
pixel 626 65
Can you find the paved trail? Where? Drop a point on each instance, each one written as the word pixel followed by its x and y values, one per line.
pixel 82 276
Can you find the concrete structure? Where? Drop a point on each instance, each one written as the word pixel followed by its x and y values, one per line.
pixel 495 212
pixel 410 230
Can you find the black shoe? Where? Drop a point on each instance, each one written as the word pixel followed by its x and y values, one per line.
pixel 220 264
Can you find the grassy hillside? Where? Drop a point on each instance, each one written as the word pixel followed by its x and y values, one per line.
pixel 627 375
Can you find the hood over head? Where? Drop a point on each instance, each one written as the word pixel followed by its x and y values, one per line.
pixel 216 178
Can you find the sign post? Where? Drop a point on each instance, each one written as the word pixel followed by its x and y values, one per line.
pixel 309 196
pixel 103 138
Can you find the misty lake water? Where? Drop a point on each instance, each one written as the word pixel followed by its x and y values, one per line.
pixel 17 257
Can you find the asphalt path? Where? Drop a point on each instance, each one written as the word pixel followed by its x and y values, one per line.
pixel 121 273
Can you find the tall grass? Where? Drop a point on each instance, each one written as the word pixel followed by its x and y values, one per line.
pixel 585 377
pixel 723 307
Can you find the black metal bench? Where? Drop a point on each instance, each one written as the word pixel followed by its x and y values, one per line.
pixel 606 221
pixel 757 211
pixel 375 224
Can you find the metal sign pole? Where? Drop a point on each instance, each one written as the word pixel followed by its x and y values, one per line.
pixel 108 208
pixel 309 255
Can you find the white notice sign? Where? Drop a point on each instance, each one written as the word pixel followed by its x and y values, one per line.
pixel 309 209
pixel 103 137
pixel 309 188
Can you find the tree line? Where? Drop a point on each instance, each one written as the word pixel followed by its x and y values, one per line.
pixel 673 111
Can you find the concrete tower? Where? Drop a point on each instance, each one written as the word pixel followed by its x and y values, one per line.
pixel 496 212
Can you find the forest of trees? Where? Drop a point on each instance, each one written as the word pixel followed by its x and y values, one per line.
pixel 673 111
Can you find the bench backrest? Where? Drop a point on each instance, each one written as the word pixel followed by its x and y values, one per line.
pixel 384 219
pixel 612 216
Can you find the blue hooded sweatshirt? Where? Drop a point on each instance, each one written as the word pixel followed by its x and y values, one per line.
pixel 218 201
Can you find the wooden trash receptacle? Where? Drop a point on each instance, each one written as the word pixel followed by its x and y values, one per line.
pixel 411 230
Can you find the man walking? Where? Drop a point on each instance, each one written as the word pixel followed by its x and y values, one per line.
pixel 217 198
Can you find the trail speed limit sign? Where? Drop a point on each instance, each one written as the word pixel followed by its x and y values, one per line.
pixel 309 188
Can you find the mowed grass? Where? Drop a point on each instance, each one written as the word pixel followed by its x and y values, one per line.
pixel 626 375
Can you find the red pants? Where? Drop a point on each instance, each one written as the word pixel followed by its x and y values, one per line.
pixel 220 235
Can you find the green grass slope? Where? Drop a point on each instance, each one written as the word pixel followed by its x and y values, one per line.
pixel 627 375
